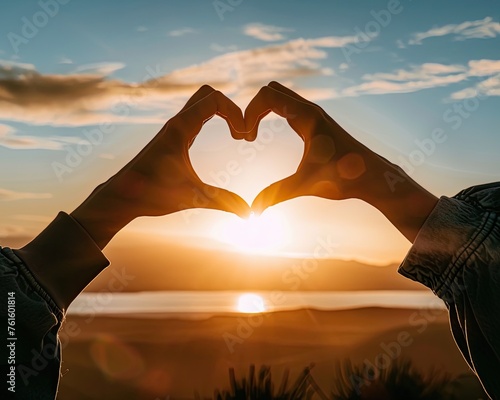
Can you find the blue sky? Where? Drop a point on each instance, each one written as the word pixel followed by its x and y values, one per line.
pixel 425 66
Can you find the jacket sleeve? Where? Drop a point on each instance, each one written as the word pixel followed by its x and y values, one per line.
pixel 457 255
pixel 37 283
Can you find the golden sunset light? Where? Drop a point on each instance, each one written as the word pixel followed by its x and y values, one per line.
pixel 251 303
pixel 258 234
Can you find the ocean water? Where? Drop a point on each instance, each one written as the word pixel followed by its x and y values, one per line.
pixel 214 302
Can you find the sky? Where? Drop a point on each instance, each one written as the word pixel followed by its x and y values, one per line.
pixel 84 85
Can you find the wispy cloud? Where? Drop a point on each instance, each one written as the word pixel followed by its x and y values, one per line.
pixel 223 49
pixel 102 69
pixel 266 33
pixel 400 44
pixel 480 29
pixel 12 69
pixel 182 32
pixel 89 96
pixel 65 60
pixel 484 67
pixel 10 195
pixel 425 76
pixel 76 99
pixel 141 29
pixel 432 75
pixel 487 87
pixel 11 139
pixel 344 67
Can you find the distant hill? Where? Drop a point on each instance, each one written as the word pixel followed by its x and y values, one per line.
pixel 170 264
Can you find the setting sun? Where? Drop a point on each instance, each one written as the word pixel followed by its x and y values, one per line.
pixel 251 303
pixel 265 233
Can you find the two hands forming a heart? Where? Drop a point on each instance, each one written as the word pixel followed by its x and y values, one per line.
pixel 161 180
pixel 164 180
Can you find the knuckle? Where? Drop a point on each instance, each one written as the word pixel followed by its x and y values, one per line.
pixel 206 87
pixel 264 90
pixel 217 94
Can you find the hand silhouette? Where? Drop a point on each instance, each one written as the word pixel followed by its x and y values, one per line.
pixel 334 164
pixel 161 180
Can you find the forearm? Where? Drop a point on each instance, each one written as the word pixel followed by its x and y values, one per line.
pixel 403 201
pixel 64 259
pixel 102 217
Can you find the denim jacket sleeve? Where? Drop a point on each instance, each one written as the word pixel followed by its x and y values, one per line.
pixel 457 255
pixel 41 280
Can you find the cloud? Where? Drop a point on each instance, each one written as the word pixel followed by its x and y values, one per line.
pixel 90 96
pixel 102 69
pixel 84 97
pixel 10 69
pixel 488 87
pixel 10 195
pixel 141 29
pixel 400 44
pixel 11 139
pixel 344 67
pixel 65 60
pixel 223 49
pixel 432 75
pixel 489 69
pixel 334 41
pixel 266 33
pixel 484 67
pixel 480 29
pixel 425 76
pixel 182 32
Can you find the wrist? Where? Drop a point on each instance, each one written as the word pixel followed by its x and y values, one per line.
pixel 102 218
pixel 63 259
pixel 402 200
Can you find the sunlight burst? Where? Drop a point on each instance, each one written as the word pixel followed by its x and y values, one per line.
pixel 251 303
pixel 265 233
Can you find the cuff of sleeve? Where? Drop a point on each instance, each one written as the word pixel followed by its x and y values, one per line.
pixel 443 245
pixel 64 259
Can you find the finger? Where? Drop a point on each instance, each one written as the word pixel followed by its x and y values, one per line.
pixel 278 192
pixel 202 92
pixel 215 103
pixel 216 198
pixel 283 89
pixel 271 100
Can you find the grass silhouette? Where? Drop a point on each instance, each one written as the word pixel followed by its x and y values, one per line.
pixel 260 385
pixel 399 381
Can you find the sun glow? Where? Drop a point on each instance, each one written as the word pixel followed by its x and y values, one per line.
pixel 251 303
pixel 258 234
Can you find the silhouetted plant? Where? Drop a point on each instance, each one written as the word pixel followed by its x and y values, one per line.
pixel 259 386
pixel 398 381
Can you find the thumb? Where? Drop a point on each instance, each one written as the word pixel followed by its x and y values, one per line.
pixel 221 199
pixel 283 190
